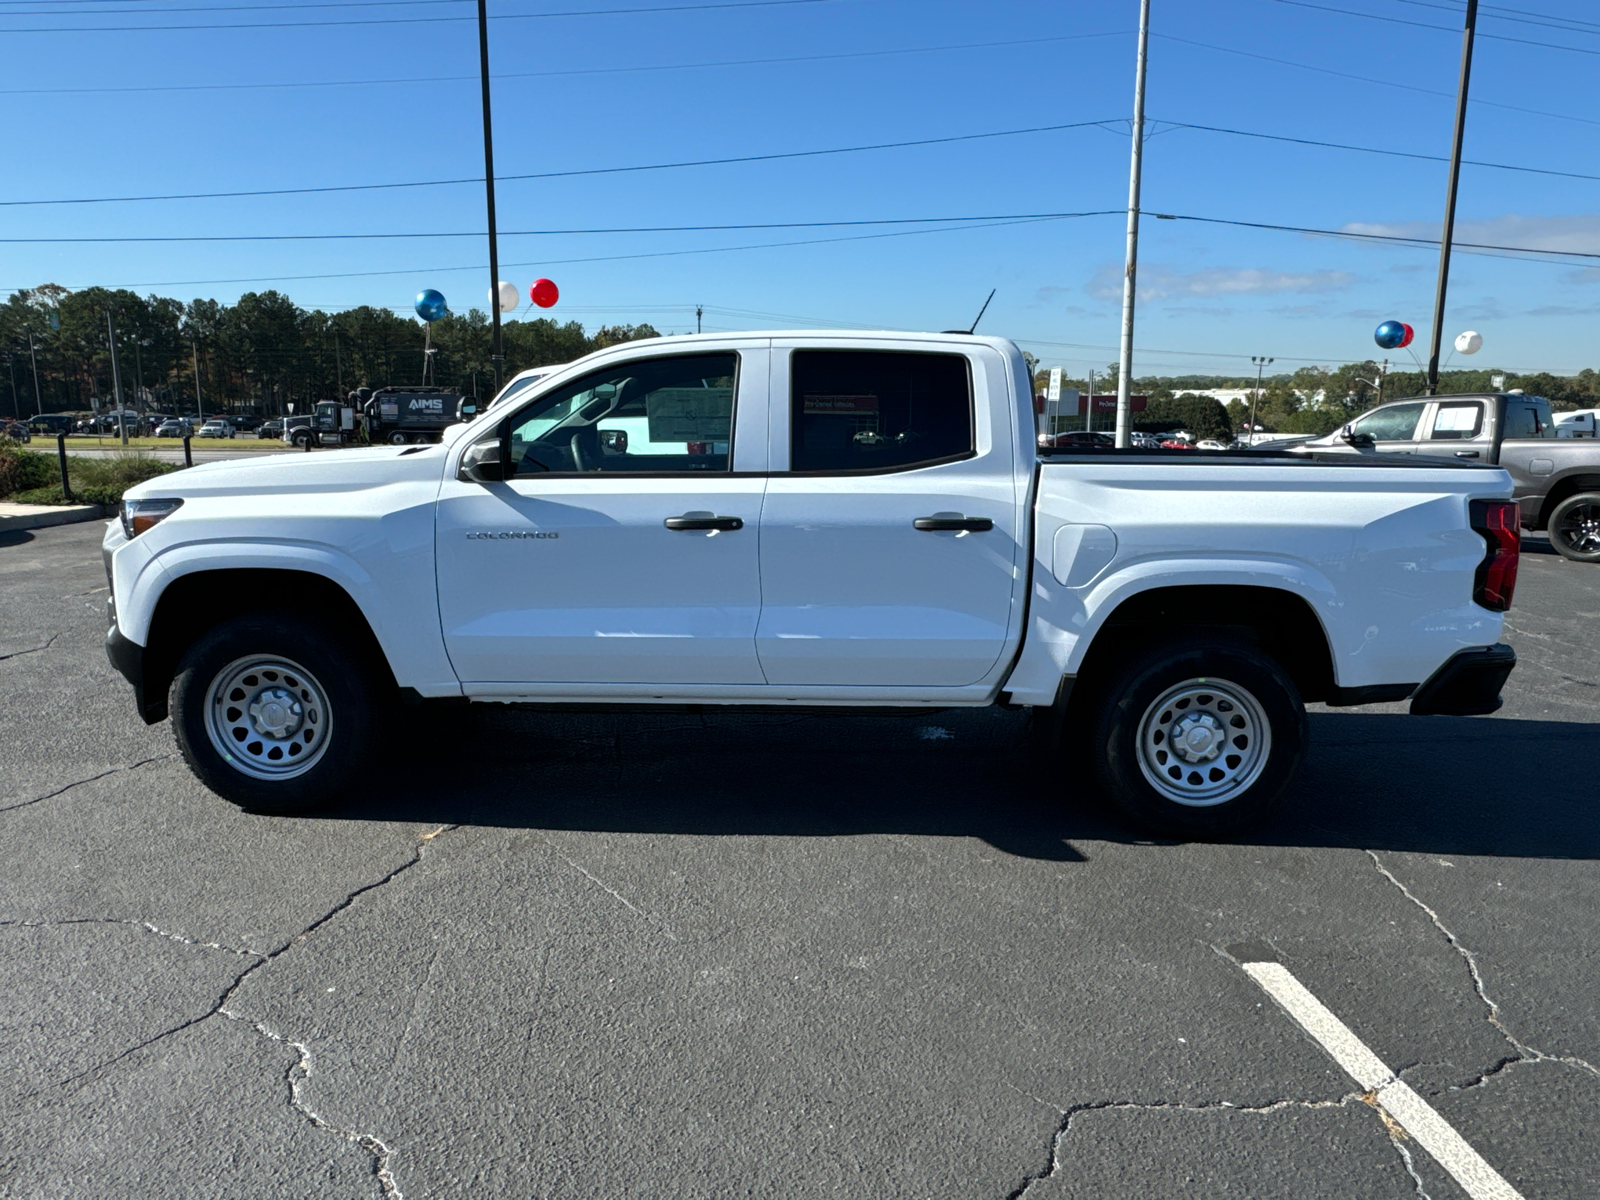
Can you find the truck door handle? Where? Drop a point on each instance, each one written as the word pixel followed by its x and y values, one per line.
pixel 1466 454
pixel 695 521
pixel 962 524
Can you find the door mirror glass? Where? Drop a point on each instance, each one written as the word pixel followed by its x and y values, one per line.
pixel 1351 435
pixel 482 463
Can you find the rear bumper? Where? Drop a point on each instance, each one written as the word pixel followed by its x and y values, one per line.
pixel 1468 685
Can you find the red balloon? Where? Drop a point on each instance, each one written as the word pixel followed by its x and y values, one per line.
pixel 1405 341
pixel 544 293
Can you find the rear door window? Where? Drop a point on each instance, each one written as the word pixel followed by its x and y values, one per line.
pixel 873 411
pixel 1456 422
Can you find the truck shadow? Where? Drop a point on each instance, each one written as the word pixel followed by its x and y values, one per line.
pixel 1371 781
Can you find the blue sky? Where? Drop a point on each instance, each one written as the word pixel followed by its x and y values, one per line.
pixel 594 91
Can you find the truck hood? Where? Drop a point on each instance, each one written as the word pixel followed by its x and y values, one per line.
pixel 291 473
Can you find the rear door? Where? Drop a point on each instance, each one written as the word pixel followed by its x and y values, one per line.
pixel 611 557
pixel 890 530
pixel 1459 429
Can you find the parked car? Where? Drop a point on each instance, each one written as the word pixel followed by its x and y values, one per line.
pixel 295 430
pixel 1176 443
pixel 50 424
pixel 1179 612
pixel 16 431
pixel 217 427
pixel 1556 480
pixel 272 429
pixel 175 427
pixel 1210 444
pixel 1078 437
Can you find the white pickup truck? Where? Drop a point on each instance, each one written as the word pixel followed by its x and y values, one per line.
pixel 808 519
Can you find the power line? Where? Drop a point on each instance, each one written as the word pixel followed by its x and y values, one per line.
pixel 1273 137
pixel 586 12
pixel 501 77
pixel 1499 37
pixel 344 237
pixel 1394 238
pixel 418 183
pixel 1389 83
pixel 557 262
pixel 229 8
pixel 1520 16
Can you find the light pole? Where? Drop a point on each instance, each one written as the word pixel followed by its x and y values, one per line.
pixel 16 405
pixel 1125 361
pixel 1261 364
pixel 38 400
pixel 1450 198
pixel 116 378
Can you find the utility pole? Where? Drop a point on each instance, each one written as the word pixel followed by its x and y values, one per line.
pixel 138 375
pixel 338 364
pixel 1088 412
pixel 1260 363
pixel 495 354
pixel 199 404
pixel 16 405
pixel 116 378
pixel 38 401
pixel 1129 275
pixel 697 311
pixel 1450 198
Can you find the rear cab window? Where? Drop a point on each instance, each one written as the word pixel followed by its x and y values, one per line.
pixel 1528 417
pixel 873 411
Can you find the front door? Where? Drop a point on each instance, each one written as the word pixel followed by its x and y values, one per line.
pixel 889 553
pixel 623 549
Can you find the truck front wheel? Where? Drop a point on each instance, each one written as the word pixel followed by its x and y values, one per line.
pixel 272 712
pixel 1198 736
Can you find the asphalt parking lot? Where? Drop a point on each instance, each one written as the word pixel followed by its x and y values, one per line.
pixel 562 956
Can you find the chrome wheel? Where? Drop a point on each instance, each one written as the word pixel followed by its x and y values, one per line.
pixel 267 717
pixel 1203 741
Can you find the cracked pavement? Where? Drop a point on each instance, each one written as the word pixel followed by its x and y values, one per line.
pixel 560 956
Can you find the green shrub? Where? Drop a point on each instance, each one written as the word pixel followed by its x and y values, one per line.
pixel 30 478
pixel 22 470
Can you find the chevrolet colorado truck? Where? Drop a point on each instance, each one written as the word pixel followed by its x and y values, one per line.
pixel 1556 480
pixel 809 519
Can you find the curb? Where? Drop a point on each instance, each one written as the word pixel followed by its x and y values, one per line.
pixel 43 516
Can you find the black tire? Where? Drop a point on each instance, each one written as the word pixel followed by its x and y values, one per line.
pixel 1574 527
pixel 300 440
pixel 341 700
pixel 1229 693
pixel 398 439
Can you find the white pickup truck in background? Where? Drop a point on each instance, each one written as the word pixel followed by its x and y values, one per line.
pixel 808 519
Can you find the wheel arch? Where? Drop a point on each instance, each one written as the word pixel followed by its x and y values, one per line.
pixel 196 602
pixel 1280 621
pixel 1569 485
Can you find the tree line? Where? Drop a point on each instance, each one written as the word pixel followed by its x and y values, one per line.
pixel 262 353
pixel 1317 400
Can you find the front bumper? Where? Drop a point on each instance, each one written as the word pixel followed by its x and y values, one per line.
pixel 127 657
pixel 1468 685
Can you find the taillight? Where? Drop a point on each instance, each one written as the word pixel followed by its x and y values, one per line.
pixel 1500 523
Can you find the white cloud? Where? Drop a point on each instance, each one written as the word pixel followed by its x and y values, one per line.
pixel 1157 282
pixel 1580 232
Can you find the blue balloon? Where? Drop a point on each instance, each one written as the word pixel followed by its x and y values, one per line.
pixel 1391 335
pixel 430 305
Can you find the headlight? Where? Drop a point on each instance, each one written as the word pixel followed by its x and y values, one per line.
pixel 140 515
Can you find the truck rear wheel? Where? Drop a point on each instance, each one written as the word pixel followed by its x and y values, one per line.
pixel 1575 527
pixel 273 713
pixel 1198 736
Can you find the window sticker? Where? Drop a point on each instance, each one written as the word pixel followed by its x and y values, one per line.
pixel 1460 418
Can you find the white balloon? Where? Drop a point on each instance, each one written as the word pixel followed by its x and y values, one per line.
pixel 1469 342
pixel 510 296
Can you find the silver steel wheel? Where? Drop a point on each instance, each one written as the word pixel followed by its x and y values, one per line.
pixel 1203 742
pixel 268 717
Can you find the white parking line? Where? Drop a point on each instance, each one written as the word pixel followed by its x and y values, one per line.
pixel 1409 1110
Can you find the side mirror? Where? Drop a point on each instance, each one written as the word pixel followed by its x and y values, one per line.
pixel 1355 438
pixel 483 463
